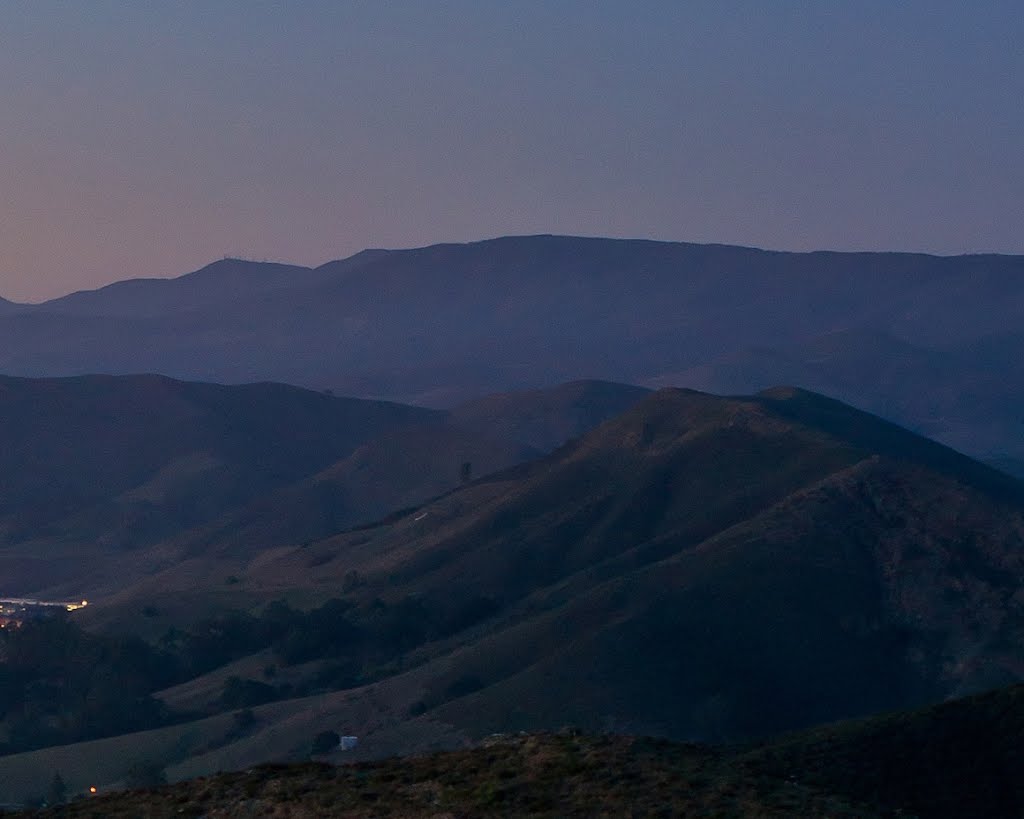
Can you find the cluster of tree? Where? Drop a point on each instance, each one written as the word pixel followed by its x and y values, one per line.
pixel 359 643
pixel 60 684
pixel 376 631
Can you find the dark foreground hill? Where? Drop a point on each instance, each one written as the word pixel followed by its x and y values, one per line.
pixel 956 760
pixel 961 758
pixel 931 342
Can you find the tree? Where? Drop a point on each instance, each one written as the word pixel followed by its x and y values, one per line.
pixel 145 774
pixel 325 742
pixel 57 793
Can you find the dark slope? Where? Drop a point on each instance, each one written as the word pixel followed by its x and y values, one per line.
pixel 961 758
pixel 711 568
pixel 117 462
pixel 1011 466
pixel 439 324
pixel 537 775
pixel 955 760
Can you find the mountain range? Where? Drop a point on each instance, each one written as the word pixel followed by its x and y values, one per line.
pixel 930 342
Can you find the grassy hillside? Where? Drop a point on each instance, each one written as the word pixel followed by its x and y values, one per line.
pixel 708 567
pixel 105 465
pixel 413 464
pixel 147 471
pixel 702 568
pixel 698 567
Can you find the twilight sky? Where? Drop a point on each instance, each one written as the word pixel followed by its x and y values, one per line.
pixel 149 141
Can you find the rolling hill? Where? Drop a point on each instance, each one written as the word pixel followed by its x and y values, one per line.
pixel 95 466
pixel 138 471
pixel 701 568
pixel 696 567
pixel 409 466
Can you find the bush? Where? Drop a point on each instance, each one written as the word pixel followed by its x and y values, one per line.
pixel 145 774
pixel 325 742
pixel 244 719
pixel 466 684
pixel 239 693
pixel 58 791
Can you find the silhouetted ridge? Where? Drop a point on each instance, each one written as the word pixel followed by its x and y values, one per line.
pixel 930 342
pixel 960 758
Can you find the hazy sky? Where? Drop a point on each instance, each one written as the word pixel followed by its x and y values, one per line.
pixel 149 141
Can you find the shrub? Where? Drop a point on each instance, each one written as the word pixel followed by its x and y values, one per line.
pixel 325 742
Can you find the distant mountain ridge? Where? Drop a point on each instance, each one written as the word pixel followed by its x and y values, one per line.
pixel 216 282
pixel 924 340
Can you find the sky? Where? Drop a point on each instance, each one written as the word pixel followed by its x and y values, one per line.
pixel 150 139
